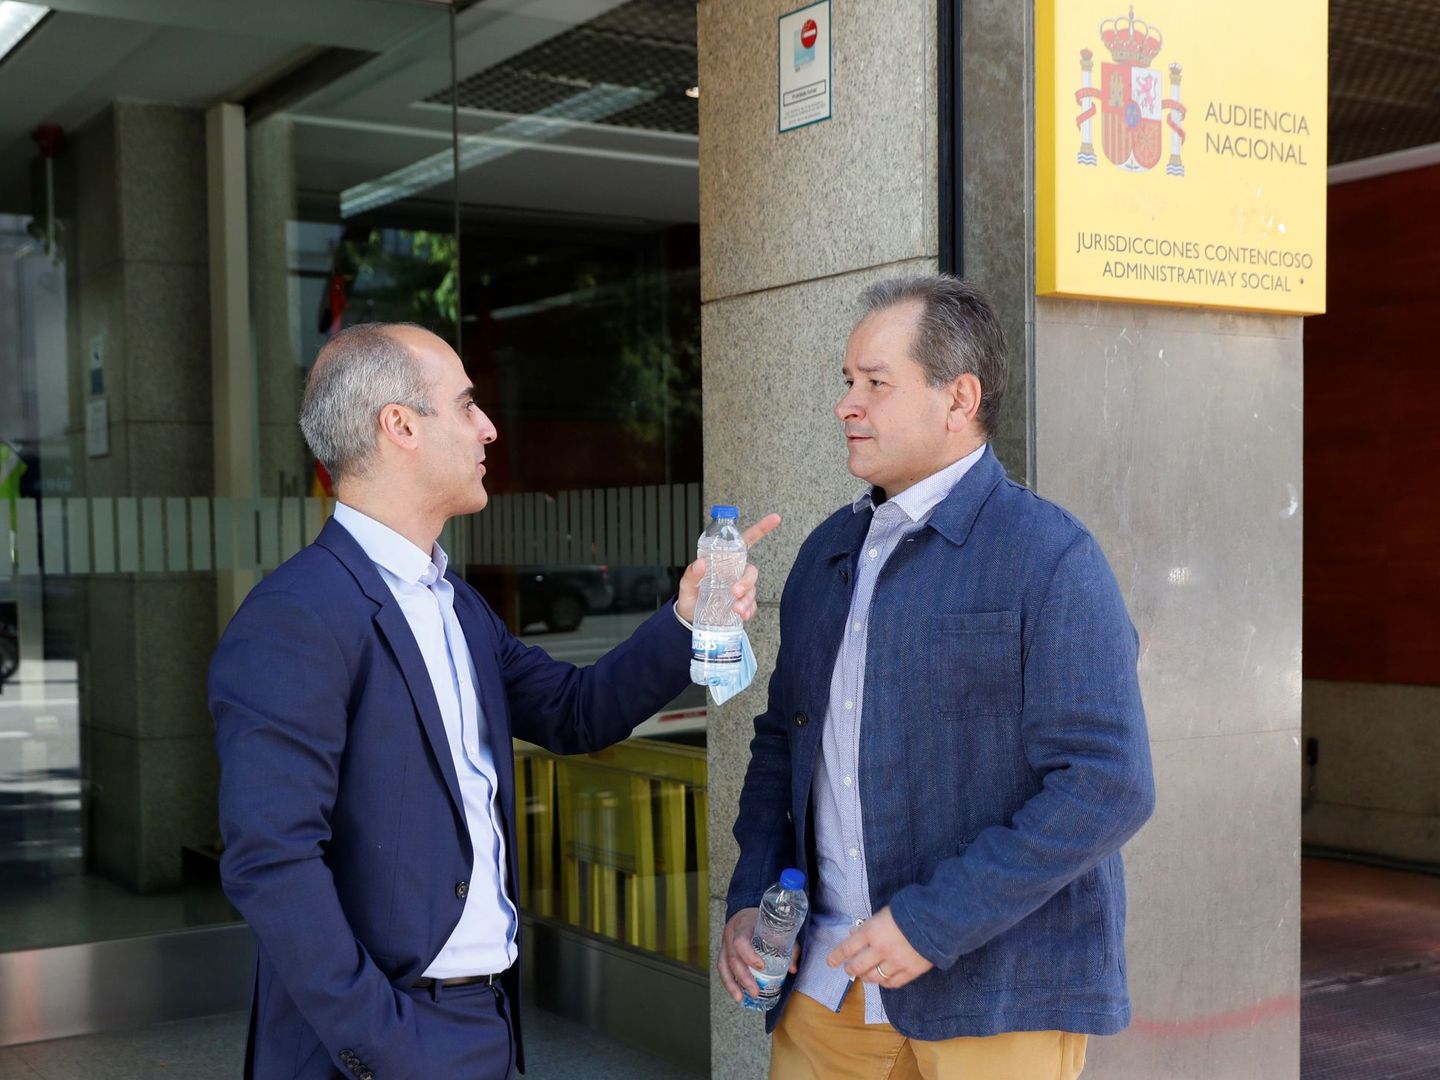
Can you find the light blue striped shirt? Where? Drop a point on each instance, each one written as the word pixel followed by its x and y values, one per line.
pixel 483 942
pixel 841 897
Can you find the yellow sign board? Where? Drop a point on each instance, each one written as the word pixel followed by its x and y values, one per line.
pixel 1180 152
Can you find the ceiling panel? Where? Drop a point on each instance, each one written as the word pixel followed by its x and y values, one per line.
pixel 372 25
pixel 1384 76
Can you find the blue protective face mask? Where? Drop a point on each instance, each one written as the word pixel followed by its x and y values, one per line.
pixel 724 687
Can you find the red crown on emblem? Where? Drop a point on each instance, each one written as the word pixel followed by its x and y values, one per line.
pixel 1131 40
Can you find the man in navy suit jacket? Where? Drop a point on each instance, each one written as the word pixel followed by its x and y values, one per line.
pixel 364 701
pixel 954 747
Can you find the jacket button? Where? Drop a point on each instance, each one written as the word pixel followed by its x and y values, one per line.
pixel 366 1074
pixel 347 1056
pixel 462 889
pixel 801 719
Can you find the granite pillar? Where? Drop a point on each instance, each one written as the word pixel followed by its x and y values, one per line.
pixel 274 307
pixel 793 226
pixel 138 285
pixel 1175 435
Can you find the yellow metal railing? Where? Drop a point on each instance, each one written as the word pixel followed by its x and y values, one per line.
pixel 614 842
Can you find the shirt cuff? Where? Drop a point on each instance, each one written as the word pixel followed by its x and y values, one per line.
pixel 675 607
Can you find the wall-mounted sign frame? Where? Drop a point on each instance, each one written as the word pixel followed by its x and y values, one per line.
pixel 1181 152
pixel 803 43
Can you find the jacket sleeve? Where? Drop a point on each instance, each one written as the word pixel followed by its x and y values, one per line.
pixel 763 827
pixel 571 710
pixel 1084 735
pixel 279 692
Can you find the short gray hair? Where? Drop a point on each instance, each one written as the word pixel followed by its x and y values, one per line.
pixel 958 333
pixel 359 371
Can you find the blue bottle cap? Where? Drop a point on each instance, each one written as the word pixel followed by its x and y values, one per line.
pixel 792 879
pixel 720 510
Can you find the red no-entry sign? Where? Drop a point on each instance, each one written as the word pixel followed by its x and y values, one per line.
pixel 808 33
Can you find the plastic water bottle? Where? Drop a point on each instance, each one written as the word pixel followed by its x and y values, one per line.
pixel 715 642
pixel 782 912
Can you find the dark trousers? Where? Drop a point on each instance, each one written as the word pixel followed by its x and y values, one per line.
pixel 465 1032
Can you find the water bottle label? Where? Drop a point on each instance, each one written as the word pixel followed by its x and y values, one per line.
pixel 769 984
pixel 709 647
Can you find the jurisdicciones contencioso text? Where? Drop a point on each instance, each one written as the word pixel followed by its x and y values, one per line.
pixel 1222 265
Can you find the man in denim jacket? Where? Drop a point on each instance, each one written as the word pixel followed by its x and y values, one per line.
pixel 954 748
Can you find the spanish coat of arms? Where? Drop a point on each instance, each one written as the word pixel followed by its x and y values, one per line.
pixel 1130 99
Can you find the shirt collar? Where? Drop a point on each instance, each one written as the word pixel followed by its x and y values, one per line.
pixel 389 550
pixel 919 499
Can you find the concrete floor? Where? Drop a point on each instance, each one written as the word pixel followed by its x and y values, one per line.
pixel 557 1049
pixel 1369 973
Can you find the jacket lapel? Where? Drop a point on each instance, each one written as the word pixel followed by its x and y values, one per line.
pixel 390 621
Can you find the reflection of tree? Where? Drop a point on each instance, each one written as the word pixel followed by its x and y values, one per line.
pixel 404 276
pixel 649 386
pixel 658 375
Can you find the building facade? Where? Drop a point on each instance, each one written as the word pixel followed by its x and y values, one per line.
pixel 650 274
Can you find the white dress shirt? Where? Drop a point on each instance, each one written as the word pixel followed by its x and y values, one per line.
pixel 483 942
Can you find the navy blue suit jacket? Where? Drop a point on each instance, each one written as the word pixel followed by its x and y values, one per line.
pixel 1003 758
pixel 345 838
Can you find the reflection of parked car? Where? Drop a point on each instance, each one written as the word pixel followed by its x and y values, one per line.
pixel 561 596
pixel 644 588
pixel 558 596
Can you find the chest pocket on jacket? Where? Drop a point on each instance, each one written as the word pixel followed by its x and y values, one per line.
pixel 975 664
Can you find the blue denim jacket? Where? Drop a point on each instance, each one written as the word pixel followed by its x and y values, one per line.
pixel 1004 758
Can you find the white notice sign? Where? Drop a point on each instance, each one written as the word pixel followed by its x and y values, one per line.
pixel 805 66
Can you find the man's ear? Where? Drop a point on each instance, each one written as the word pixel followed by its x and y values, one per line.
pixel 964 402
pixel 397 426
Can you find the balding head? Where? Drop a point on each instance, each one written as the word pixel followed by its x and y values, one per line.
pixel 359 371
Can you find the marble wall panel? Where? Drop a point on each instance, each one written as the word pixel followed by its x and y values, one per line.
pixel 115 842
pixel 171 459
pixel 108 670
pixel 274 302
pixel 94 242
pixel 1213 944
pixel 1176 436
pixel 851 192
pixel 179 793
pixel 175 630
pixel 166 364
pixel 161 183
pixel 140 282
pixel 996 223
pixel 739 1047
pixel 1177 441
pixel 150 798
pixel 729 729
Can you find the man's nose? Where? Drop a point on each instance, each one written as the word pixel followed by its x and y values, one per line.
pixel 846 409
pixel 488 433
